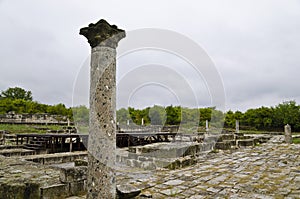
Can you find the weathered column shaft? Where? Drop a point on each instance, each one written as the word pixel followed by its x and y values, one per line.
pixel 288 134
pixel 103 39
pixel 237 126
pixel 102 138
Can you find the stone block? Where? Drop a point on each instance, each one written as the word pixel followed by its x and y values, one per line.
pixel 127 191
pixel 57 191
pixel 16 152
pixel 133 163
pixel 246 142
pixel 223 145
pixel 53 159
pixel 132 155
pixel 148 165
pixel 78 188
pixel 73 174
pixel 79 162
pixel 224 137
pixel 19 191
pixel 162 163
pixel 207 146
pixel 192 150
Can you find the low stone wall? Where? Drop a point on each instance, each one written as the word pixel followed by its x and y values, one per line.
pixel 16 152
pixel 179 154
pixel 21 179
pixel 56 158
pixel 12 118
pixel 75 178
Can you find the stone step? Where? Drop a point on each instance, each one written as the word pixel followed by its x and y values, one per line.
pixel 264 139
pixel 16 152
pixel 224 137
pixel 239 134
pixel 57 157
pixel 55 191
pixel 10 147
pixel 170 150
pixel 238 137
pixel 162 155
pixel 245 142
pixel 211 138
pixel 225 145
pixel 168 163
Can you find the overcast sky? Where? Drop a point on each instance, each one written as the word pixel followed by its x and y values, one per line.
pixel 254 44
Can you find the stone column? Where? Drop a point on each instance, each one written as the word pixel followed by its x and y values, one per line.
pixel 206 126
pixel 103 39
pixel 287 134
pixel 237 126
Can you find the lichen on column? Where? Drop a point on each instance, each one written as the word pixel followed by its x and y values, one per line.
pixel 103 39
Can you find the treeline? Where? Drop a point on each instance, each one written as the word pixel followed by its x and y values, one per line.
pixel 170 115
pixel 267 118
pixel 263 118
pixel 21 101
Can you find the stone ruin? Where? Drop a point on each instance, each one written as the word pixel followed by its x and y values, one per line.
pixel 42 176
pixel 13 118
pixel 61 175
pixel 27 175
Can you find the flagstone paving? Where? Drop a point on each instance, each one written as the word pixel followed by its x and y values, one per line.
pixel 270 170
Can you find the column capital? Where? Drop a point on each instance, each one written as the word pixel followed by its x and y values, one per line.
pixel 102 34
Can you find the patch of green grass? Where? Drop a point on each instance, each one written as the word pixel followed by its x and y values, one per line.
pixel 257 144
pixel 23 128
pixel 252 132
pixel 214 151
pixel 296 140
pixel 83 129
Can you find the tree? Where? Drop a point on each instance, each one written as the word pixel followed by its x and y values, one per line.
pixel 287 113
pixel 217 118
pixel 138 115
pixel 229 119
pixel 190 117
pixel 157 115
pixel 81 115
pixel 16 93
pixel 205 114
pixel 122 116
pixel 173 115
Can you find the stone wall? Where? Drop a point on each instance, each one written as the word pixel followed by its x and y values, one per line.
pixel 12 118
pixel 21 179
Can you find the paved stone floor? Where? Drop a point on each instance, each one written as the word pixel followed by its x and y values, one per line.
pixel 270 170
pixel 266 171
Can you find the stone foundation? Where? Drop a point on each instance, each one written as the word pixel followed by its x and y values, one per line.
pixel 24 179
pixel 176 155
pixel 56 157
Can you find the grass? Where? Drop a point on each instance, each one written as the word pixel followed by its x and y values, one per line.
pixel 83 129
pixel 23 128
pixel 296 140
pixel 252 132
